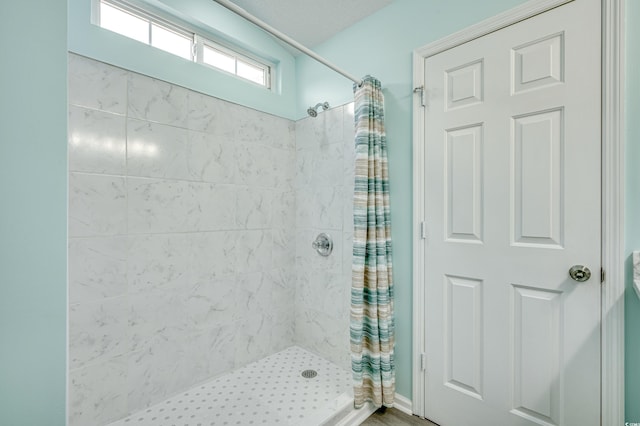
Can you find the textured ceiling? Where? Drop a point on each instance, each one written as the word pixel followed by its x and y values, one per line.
pixel 311 22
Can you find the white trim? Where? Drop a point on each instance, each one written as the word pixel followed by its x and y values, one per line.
pixel 612 325
pixel 201 42
pixel 356 416
pixel 495 23
pixel 635 259
pixel 612 322
pixel 140 12
pixel 418 395
pixel 402 403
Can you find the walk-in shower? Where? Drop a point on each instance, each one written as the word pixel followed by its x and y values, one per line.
pixel 186 278
pixel 195 294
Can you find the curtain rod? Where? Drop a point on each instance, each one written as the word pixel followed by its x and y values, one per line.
pixel 268 28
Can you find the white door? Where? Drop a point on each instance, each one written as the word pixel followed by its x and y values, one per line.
pixel 512 180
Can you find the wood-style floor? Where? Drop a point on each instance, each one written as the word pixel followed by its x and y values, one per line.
pixel 394 417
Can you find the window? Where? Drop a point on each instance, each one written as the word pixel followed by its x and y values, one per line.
pixel 218 59
pixel 171 41
pixel 232 62
pixel 139 25
pixel 122 22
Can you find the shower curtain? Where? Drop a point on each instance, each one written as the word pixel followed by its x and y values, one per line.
pixel 372 322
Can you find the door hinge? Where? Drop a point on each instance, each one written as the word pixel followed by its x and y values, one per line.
pixel 422 95
pixel 602 275
pixel 423 362
pixel 423 230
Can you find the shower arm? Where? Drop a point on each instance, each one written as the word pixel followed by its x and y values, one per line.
pixel 313 110
pixel 324 105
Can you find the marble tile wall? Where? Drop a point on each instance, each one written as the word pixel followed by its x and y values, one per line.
pixel 324 203
pixel 181 244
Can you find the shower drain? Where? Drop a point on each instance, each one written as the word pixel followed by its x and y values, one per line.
pixel 309 374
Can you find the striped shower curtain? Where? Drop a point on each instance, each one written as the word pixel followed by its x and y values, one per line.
pixel 372 322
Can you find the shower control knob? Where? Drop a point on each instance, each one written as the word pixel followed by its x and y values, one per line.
pixel 323 244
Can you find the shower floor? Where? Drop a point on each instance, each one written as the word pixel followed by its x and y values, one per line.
pixel 270 391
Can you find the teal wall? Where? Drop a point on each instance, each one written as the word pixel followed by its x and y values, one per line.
pixel 210 19
pixel 33 163
pixel 33 216
pixel 382 45
pixel 632 213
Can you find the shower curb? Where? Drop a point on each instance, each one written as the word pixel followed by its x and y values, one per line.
pixel 349 416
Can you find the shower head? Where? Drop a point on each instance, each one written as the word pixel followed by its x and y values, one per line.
pixel 313 111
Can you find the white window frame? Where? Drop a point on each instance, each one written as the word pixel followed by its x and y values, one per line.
pixel 198 41
pixel 151 18
pixel 201 42
pixel 174 29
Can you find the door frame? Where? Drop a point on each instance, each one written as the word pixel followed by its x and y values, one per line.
pixel 612 289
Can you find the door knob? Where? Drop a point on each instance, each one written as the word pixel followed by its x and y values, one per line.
pixel 580 273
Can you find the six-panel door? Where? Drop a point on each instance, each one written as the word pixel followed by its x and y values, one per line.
pixel 512 166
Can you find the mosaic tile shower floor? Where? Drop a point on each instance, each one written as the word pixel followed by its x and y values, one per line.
pixel 267 392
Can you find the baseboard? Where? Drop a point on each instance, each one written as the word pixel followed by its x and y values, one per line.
pixel 404 404
pixel 356 417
